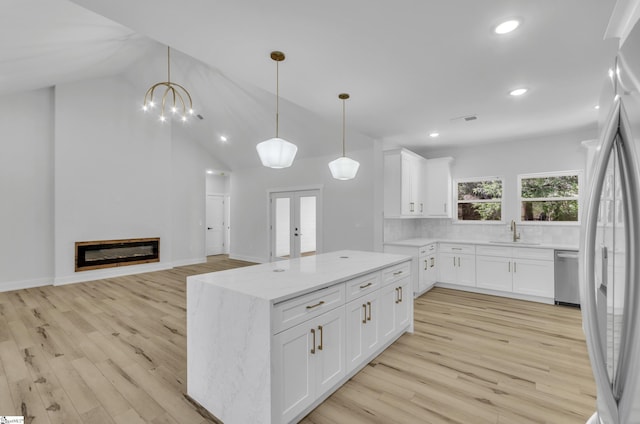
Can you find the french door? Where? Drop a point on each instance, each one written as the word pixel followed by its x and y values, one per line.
pixel 295 225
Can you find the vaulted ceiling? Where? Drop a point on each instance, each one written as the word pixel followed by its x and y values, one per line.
pixel 411 66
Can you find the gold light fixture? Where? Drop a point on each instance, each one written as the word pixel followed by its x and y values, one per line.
pixel 277 152
pixel 175 96
pixel 344 168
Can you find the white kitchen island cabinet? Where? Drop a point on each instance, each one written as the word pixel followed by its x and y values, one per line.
pixel 268 343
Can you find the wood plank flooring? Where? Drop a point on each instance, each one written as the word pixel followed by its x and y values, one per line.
pixel 114 351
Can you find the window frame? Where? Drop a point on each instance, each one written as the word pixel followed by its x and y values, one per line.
pixel 478 179
pixel 576 172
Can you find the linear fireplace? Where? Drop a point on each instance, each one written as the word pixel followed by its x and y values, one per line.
pixel 111 253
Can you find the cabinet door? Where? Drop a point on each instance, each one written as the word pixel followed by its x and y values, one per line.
pixel 438 182
pixel 330 348
pixel 533 277
pixel 466 270
pixel 387 322
pixel 403 304
pixel 431 275
pixel 423 274
pixel 494 272
pixel 294 371
pixel 363 320
pixel 418 186
pixel 407 204
pixel 447 268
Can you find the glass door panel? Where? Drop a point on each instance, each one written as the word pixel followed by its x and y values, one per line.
pixel 295 224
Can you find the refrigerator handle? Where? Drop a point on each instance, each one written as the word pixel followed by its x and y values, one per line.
pixel 607 404
pixel 629 342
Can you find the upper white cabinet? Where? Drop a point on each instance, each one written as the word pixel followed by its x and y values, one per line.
pixel 404 184
pixel 438 188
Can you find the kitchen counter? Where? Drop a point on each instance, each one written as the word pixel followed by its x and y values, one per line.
pixel 251 332
pixel 417 242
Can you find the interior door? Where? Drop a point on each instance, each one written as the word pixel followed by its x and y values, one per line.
pixel 295 223
pixel 215 225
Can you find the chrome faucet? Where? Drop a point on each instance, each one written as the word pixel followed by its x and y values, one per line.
pixel 516 236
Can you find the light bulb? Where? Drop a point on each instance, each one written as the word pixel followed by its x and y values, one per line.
pixel 184 118
pixel 191 112
pixel 162 118
pixel 145 108
pixel 151 104
pixel 174 110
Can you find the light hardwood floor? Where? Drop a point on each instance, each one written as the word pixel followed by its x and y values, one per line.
pixel 114 351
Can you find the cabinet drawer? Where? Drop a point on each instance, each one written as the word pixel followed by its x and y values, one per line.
pixel 291 312
pixel 428 249
pixel 362 285
pixel 533 253
pixel 457 248
pixel 395 273
pixel 494 251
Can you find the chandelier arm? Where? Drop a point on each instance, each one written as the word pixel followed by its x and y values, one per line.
pixel 164 97
pixel 185 92
pixel 178 95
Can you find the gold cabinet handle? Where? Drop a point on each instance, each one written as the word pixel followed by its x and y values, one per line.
pixel 364 320
pixel 509 266
pixel 425 264
pixel 454 261
pixel 514 266
pixel 401 295
pixel 321 343
pixel 365 285
pixel 458 261
pixel 316 305
pixel 397 295
pixel 433 262
pixel 411 206
pixel 369 305
pixel 313 348
pixel 421 208
pixel 397 273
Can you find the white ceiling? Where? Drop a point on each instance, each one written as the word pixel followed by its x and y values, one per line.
pixel 409 65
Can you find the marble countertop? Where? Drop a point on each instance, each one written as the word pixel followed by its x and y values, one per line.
pixel 278 281
pixel 418 242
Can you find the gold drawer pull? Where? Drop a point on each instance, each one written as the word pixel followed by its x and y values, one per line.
pixel 320 346
pixel 397 273
pixel 365 286
pixel 397 295
pixel 316 305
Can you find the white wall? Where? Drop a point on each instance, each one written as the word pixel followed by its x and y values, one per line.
pixel 348 206
pixel 26 189
pixel 558 152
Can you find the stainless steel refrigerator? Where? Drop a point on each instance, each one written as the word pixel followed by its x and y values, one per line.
pixel 610 246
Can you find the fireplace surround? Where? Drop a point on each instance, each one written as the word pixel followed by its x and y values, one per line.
pixel 113 253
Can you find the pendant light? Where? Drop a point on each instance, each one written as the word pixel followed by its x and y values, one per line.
pixel 277 152
pixel 344 168
pixel 175 94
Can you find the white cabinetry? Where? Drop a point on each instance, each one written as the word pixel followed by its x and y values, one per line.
pixel 309 359
pixel 457 264
pixel 527 271
pixel 438 188
pixel 423 265
pixel 396 307
pixel 404 187
pixel 363 320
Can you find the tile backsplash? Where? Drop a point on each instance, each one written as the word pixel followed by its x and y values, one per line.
pixel 400 229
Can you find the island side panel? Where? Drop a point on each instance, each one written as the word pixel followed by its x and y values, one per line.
pixel 228 353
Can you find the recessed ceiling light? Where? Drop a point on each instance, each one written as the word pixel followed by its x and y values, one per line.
pixel 507 26
pixel 596 107
pixel 209 171
pixel 518 91
pixel 434 134
pixel 223 138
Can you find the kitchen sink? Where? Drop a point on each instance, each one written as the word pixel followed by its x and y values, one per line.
pixel 514 243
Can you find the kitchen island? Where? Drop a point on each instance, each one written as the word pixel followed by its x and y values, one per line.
pixel 268 343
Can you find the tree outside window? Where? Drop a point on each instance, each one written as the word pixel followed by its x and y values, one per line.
pixel 550 197
pixel 479 199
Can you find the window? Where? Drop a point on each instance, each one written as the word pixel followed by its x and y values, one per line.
pixel 550 197
pixel 479 199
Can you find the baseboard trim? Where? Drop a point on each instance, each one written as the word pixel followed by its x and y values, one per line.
pixel 247 258
pixel 25 284
pixel 187 262
pixel 510 295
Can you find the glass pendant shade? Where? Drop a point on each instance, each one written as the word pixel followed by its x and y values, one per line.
pixel 276 153
pixel 344 168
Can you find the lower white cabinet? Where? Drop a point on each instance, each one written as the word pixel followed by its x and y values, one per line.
pixel 423 265
pixel 457 264
pixel 395 308
pixel 527 271
pixel 364 317
pixel 308 360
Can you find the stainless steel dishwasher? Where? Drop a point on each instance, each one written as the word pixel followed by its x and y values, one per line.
pixel 567 291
